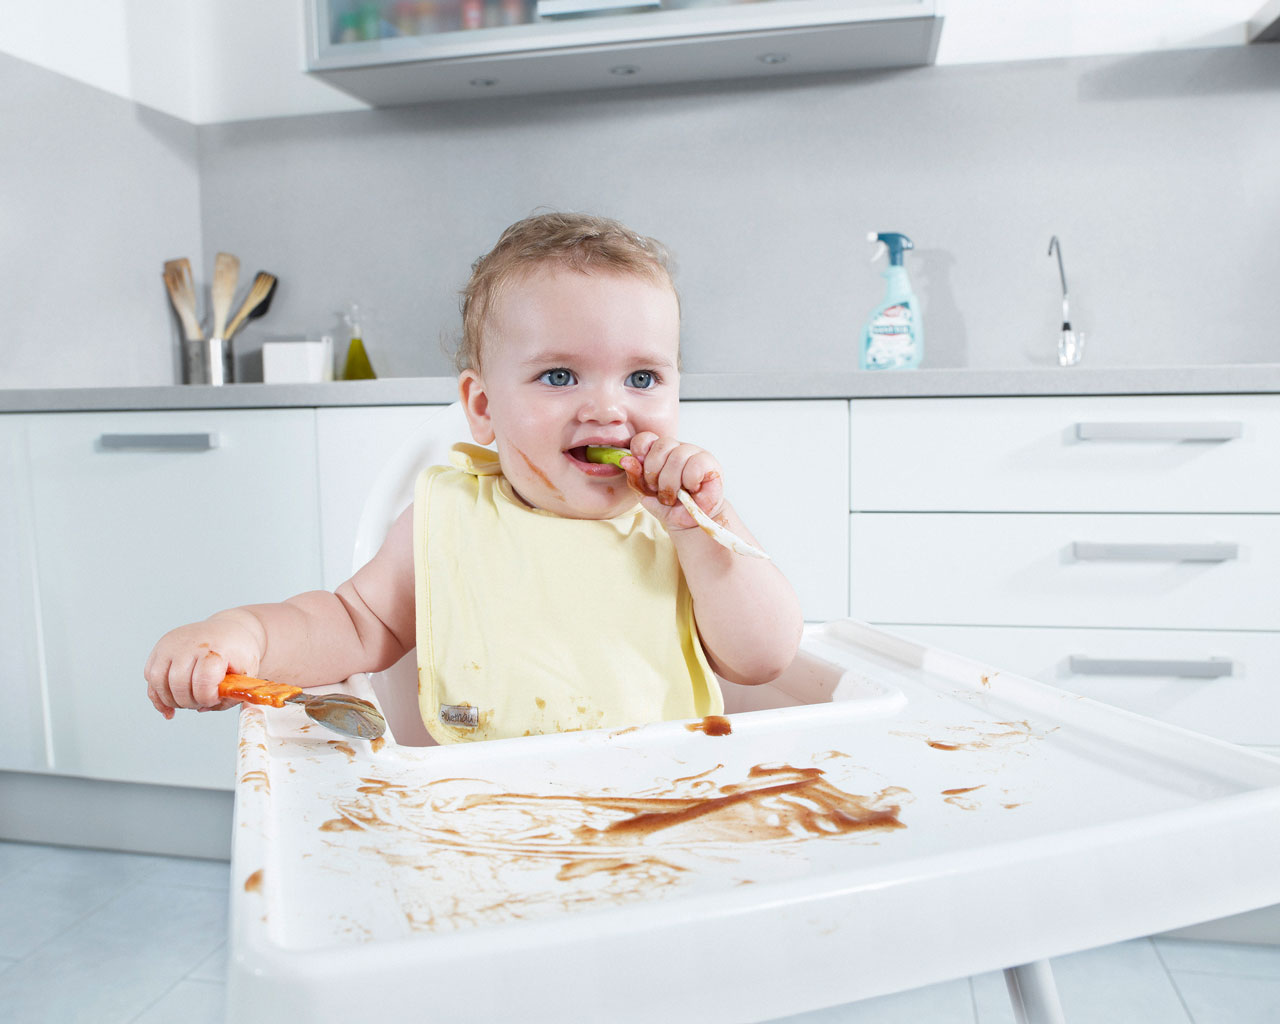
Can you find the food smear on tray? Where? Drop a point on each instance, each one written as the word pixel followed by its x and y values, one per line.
pixel 517 855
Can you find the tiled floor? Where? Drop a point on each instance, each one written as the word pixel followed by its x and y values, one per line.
pixel 95 937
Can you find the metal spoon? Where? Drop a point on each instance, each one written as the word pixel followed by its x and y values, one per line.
pixel 350 716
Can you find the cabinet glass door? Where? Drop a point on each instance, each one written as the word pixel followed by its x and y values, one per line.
pixel 346 31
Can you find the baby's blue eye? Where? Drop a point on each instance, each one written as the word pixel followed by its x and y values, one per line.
pixel 558 378
pixel 641 379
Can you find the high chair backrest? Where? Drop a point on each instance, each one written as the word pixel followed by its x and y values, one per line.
pixel 391 494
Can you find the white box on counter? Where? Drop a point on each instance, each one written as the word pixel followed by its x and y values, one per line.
pixel 297 362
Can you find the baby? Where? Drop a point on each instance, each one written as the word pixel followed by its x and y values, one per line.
pixel 543 592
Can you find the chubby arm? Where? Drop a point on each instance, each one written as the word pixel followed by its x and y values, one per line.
pixel 314 638
pixel 747 612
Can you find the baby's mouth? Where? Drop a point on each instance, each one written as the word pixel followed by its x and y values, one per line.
pixel 579 455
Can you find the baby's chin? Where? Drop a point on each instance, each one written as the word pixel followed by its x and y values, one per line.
pixel 607 502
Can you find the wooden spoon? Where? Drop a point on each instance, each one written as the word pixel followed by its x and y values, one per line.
pixel 256 302
pixel 226 271
pixel 182 293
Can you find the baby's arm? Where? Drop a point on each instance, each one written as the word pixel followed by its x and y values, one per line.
pixel 747 613
pixel 314 638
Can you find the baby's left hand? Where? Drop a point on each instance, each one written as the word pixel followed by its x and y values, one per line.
pixel 660 466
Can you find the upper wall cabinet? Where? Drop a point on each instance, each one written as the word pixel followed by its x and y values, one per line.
pixel 408 51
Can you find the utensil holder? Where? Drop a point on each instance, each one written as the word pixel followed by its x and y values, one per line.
pixel 208 361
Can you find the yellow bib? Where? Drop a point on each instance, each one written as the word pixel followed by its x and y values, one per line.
pixel 530 623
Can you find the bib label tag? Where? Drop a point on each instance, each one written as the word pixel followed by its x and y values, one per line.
pixel 460 716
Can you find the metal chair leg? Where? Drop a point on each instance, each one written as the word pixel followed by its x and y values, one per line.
pixel 1034 994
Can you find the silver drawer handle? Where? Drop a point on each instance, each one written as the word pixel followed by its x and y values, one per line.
pixel 158 442
pixel 1209 668
pixel 1091 551
pixel 580 8
pixel 1226 430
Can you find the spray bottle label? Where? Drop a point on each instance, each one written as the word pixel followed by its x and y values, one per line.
pixel 890 338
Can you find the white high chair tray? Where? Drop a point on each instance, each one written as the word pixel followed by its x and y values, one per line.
pixel 937 819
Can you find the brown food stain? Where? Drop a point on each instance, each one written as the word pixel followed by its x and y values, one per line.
pixel 966 789
pixel 341 825
pixel 254 882
pixel 712 725
pixel 377 744
pixel 536 471
pixel 540 702
pixel 344 747
pixel 968 737
pixel 522 855
pixel 257 779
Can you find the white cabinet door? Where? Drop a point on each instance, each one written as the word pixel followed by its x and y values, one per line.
pixel 145 521
pixel 22 744
pixel 354 444
pixel 786 472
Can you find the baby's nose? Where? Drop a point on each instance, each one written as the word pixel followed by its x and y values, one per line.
pixel 601 404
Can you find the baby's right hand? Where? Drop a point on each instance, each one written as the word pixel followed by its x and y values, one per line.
pixel 186 666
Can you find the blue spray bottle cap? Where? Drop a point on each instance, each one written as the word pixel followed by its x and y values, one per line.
pixel 892 242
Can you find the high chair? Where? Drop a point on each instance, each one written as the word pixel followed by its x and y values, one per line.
pixel 368 877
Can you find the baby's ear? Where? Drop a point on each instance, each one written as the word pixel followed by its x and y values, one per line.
pixel 475 403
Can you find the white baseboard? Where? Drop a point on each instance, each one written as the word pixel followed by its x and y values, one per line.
pixel 67 811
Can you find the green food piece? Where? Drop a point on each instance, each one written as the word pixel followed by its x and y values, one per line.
pixel 602 454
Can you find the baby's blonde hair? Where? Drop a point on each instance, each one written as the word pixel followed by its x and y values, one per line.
pixel 575 241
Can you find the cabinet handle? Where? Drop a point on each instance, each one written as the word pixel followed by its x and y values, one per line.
pixel 158 442
pixel 1226 430
pixel 1092 551
pixel 1209 668
pixel 578 8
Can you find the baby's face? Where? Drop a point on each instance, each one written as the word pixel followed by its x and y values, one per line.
pixel 574 359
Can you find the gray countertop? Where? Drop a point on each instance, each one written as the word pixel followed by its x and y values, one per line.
pixel 1249 379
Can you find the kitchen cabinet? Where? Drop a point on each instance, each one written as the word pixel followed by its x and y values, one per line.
pixel 22 737
pixel 396 52
pixel 145 521
pixel 1122 547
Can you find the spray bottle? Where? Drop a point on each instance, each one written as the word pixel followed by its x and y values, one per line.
pixel 894 337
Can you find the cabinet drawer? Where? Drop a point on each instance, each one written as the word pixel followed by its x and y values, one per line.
pixel 1066 570
pixel 1223 684
pixel 1198 453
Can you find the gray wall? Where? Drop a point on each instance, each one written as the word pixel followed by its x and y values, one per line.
pixel 96 193
pixel 1158 172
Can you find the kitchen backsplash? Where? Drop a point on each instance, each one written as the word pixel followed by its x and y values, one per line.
pixel 1156 172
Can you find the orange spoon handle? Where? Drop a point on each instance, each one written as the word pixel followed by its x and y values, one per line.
pixel 256 691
